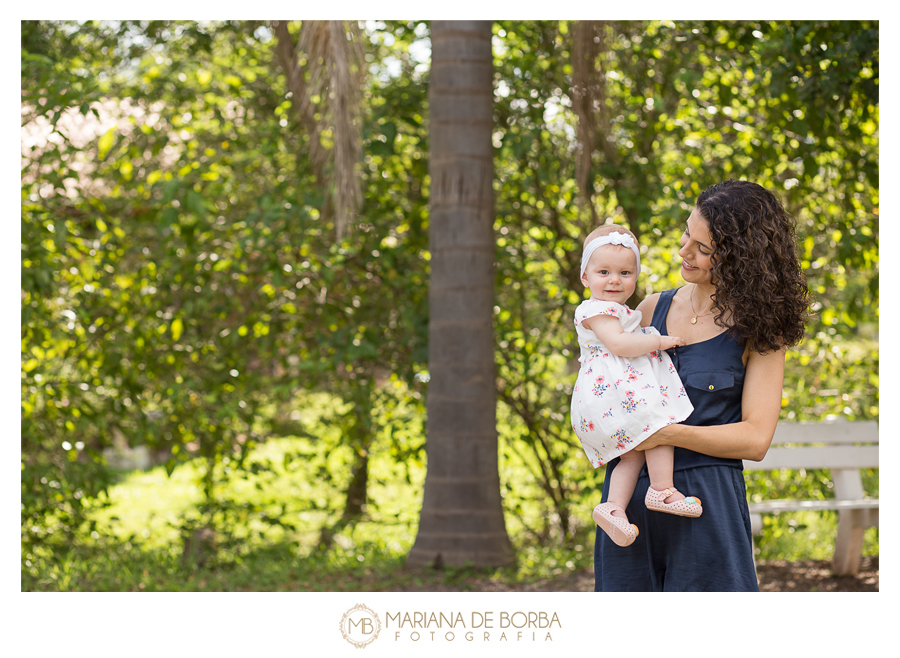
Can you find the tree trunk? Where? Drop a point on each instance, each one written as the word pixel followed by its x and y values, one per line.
pixel 361 432
pixel 358 428
pixel 462 515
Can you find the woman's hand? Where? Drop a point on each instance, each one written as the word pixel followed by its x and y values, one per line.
pixel 747 439
pixel 667 436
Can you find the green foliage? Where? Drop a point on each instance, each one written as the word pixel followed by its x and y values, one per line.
pixel 181 278
pixel 272 511
pixel 684 105
pixel 804 536
pixel 179 268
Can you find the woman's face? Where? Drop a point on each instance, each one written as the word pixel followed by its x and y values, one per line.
pixel 696 250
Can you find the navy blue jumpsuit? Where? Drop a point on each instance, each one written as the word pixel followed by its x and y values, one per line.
pixel 713 553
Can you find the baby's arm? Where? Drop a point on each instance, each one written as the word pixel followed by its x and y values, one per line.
pixel 609 331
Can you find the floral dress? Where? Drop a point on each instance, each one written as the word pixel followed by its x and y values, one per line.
pixel 618 402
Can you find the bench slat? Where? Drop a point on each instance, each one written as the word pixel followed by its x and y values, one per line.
pixel 860 431
pixel 838 457
pixel 785 505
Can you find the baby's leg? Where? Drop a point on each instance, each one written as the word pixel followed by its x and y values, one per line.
pixel 660 464
pixel 624 479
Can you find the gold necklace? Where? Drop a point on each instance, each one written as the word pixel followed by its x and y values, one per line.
pixel 696 317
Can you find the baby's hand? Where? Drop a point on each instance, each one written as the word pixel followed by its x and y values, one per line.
pixel 668 342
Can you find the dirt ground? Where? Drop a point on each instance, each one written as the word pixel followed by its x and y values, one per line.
pixel 816 576
pixel 805 576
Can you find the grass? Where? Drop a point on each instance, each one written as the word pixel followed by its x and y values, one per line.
pixel 277 567
pixel 138 538
pixel 268 525
pixel 798 536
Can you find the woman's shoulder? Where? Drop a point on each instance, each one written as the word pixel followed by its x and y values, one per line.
pixel 648 305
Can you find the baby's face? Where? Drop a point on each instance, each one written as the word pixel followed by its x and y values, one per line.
pixel 611 273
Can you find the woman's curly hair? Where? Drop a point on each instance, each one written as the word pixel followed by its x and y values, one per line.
pixel 755 266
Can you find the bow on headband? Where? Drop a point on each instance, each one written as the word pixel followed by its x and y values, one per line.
pixel 611 238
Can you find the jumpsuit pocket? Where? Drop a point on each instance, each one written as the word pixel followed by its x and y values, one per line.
pixel 710 381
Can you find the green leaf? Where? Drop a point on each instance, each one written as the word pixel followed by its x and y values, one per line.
pixel 195 203
pixel 106 142
pixel 60 232
pixel 170 188
pixel 168 217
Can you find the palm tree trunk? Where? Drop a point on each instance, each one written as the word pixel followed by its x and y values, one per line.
pixel 462 515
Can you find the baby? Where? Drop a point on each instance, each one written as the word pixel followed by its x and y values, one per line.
pixel 627 387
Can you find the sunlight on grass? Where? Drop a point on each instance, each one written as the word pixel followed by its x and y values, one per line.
pixel 269 516
pixel 149 506
pixel 804 536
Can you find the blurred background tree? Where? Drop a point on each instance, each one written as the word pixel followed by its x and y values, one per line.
pixel 189 276
pixel 462 514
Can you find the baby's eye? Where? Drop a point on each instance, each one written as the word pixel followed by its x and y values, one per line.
pixel 604 272
pixel 625 272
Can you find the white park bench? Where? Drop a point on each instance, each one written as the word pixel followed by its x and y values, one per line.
pixel 843 448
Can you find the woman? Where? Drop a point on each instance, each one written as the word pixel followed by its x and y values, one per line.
pixel 745 302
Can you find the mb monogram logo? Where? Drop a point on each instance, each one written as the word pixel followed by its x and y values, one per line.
pixel 360 626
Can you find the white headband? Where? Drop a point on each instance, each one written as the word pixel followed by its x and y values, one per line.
pixel 610 238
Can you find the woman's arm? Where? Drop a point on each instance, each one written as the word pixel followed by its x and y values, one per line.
pixel 748 439
pixel 609 331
